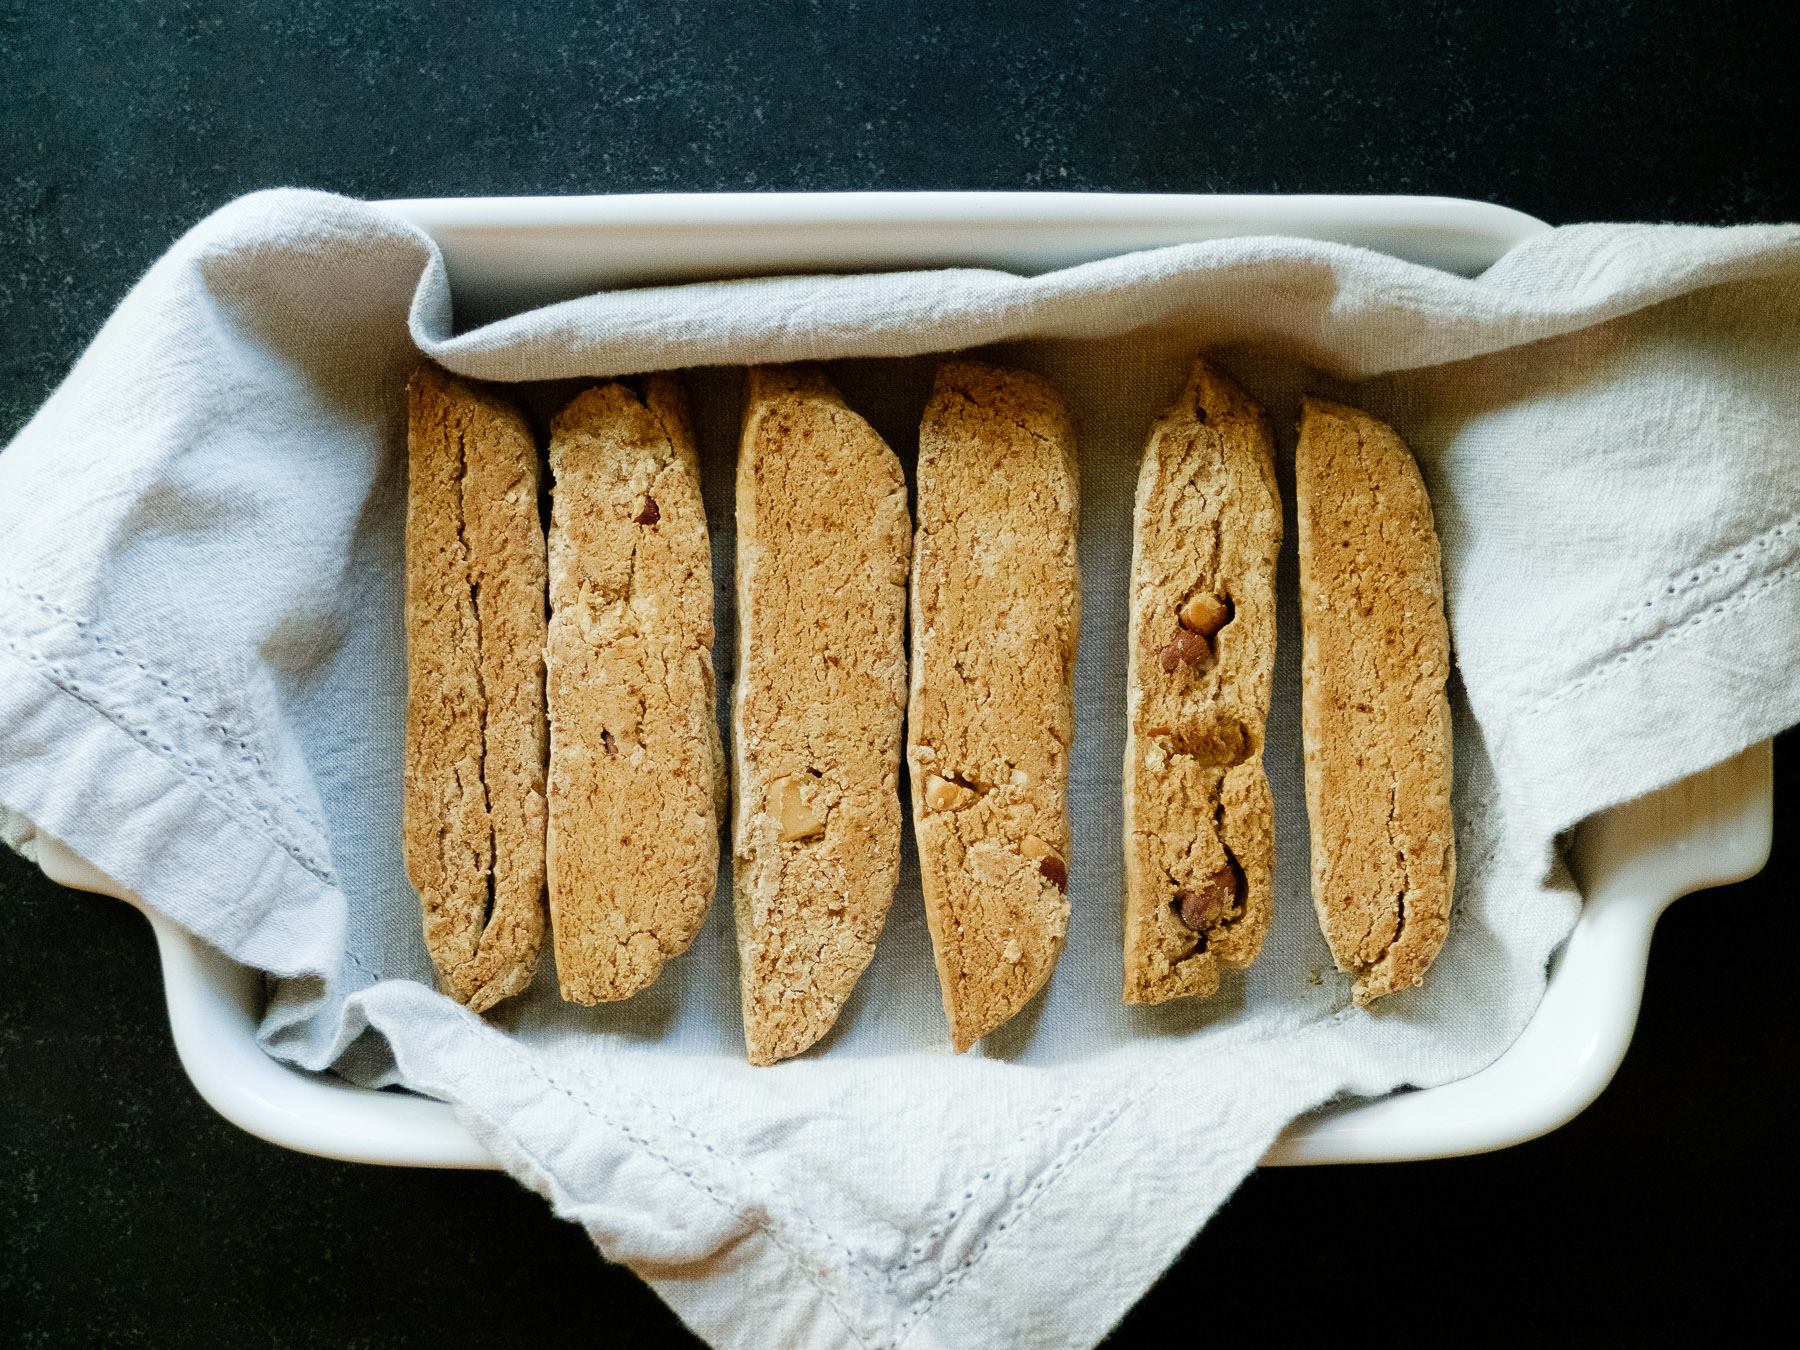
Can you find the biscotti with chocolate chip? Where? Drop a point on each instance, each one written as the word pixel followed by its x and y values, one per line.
pixel 1199 823
pixel 1376 723
pixel 996 612
pixel 473 795
pixel 637 779
pixel 822 543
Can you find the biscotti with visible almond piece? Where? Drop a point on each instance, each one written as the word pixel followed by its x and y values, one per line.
pixel 636 766
pixel 822 544
pixel 1199 821
pixel 473 806
pixel 1376 723
pixel 996 612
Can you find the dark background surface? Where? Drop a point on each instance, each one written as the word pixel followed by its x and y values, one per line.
pixel 130 1214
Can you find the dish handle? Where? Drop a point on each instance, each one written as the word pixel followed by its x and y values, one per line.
pixel 1631 862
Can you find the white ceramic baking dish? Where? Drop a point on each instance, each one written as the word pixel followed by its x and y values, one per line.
pixel 505 254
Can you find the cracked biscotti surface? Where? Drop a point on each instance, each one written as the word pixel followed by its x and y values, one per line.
pixel 822 545
pixel 996 610
pixel 636 767
pixel 1376 655
pixel 1199 822
pixel 473 807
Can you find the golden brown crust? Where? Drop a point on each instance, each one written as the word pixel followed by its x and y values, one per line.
pixel 1374 714
pixel 823 539
pixel 473 809
pixel 996 616
pixel 1199 825
pixel 636 767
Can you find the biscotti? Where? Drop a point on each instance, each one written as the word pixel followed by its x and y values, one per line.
pixel 996 610
pixel 636 766
pixel 473 806
pixel 1199 823
pixel 1375 658
pixel 822 545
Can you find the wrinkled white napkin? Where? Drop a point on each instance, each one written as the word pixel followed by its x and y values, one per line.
pixel 202 688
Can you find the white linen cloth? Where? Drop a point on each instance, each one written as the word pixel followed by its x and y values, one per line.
pixel 202 687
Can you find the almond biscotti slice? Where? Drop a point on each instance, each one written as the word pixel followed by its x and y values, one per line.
pixel 996 611
pixel 473 807
pixel 822 544
pixel 1375 656
pixel 636 766
pixel 1199 820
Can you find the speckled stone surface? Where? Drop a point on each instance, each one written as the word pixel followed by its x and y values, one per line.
pixel 131 1215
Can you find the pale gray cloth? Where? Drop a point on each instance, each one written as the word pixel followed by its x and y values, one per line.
pixel 202 687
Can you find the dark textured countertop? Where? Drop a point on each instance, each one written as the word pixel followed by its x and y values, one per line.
pixel 130 1214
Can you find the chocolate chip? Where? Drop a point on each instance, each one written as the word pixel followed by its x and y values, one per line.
pixel 650 514
pixel 1052 866
pixel 1195 909
pixel 606 740
pixel 1184 648
pixel 1200 907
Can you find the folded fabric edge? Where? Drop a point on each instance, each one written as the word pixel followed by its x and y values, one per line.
pixel 910 313
pixel 80 777
pixel 679 1212
pixel 1181 1159
pixel 707 1233
pixel 1673 705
